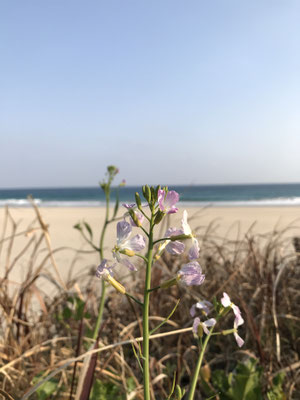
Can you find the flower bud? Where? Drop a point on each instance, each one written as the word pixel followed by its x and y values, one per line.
pixel 180 237
pixel 153 194
pixel 138 201
pixel 112 170
pixel 134 217
pixel 169 283
pixel 206 372
pixel 147 193
pixel 200 330
pixel 159 217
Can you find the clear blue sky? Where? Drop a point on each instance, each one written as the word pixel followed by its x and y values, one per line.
pixel 171 91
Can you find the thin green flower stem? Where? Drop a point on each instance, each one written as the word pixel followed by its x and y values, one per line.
pixel 166 319
pixel 145 232
pixel 134 298
pixel 144 258
pixel 103 286
pixel 100 311
pixel 145 215
pixel 90 242
pixel 200 359
pixel 152 289
pixel 198 366
pixel 146 372
pixel 161 240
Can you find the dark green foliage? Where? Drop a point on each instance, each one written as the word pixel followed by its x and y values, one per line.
pixel 109 391
pixel 47 389
pixel 245 382
pixel 75 307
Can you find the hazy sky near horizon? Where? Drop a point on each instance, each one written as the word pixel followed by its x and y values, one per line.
pixel 170 91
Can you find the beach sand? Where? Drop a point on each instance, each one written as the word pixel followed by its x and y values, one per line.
pixel 232 222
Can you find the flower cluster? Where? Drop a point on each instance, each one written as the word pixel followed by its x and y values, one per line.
pixel 206 307
pixel 161 202
pixel 191 273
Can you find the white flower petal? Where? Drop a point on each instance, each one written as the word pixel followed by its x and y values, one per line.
pixel 225 300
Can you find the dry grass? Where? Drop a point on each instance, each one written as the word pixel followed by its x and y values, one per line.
pixel 261 274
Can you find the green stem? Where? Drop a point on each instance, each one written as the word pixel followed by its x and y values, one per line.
pixel 146 372
pixel 198 366
pixel 100 311
pixel 134 299
pixel 104 226
pixel 103 287
pixel 161 240
pixel 144 258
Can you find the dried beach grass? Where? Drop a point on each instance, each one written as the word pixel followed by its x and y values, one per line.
pixel 38 338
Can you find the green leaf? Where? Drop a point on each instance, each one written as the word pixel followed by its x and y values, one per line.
pixel 276 391
pixel 220 380
pixel 78 227
pixel 89 229
pixel 67 313
pixel 116 204
pixel 178 392
pixel 47 389
pixel 79 309
pixel 105 391
pixel 130 384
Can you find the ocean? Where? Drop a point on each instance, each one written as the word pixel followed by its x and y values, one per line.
pixel 197 195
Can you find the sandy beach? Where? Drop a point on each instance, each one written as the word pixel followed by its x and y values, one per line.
pixel 229 222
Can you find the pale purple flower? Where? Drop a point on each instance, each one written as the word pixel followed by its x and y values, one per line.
pixel 238 339
pixel 238 320
pixel 191 274
pixel 103 270
pixel 205 325
pixel 174 247
pixel 194 250
pixel 138 214
pixel 127 246
pixel 204 306
pixel 167 201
